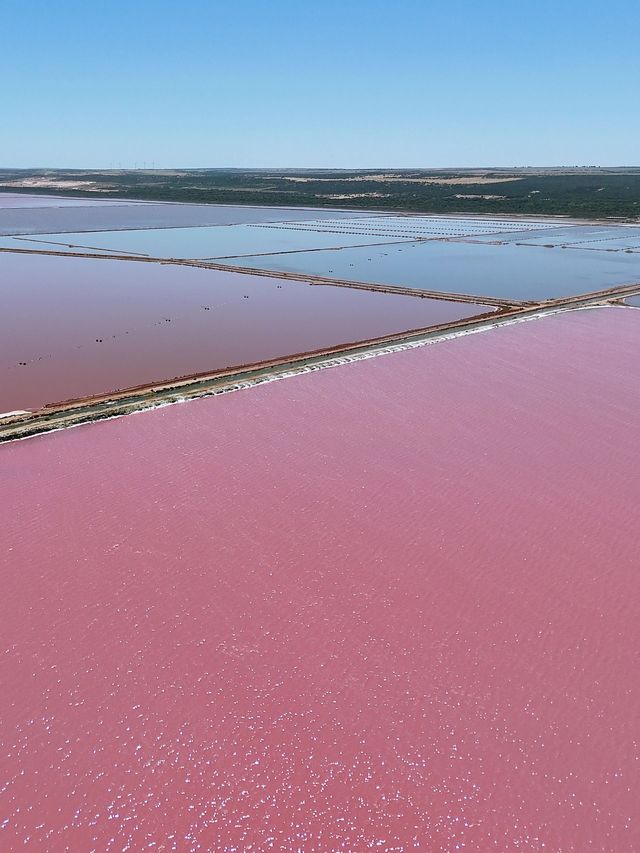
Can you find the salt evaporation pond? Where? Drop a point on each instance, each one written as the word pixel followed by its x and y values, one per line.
pixel 526 273
pixel 125 215
pixel 631 245
pixel 390 605
pixel 73 327
pixel 633 301
pixel 587 236
pixel 427 226
pixel 594 236
pixel 12 199
pixel 194 243
pixel 219 242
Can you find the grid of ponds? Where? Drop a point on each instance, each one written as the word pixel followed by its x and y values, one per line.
pixel 215 242
pixel 227 241
pixel 484 256
pixel 110 217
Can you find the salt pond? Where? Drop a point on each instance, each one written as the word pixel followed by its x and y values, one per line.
pixel 528 273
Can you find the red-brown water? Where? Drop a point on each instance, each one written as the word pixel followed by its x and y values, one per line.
pixel 73 327
pixel 391 605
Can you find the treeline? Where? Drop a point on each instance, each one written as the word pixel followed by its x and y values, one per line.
pixel 587 195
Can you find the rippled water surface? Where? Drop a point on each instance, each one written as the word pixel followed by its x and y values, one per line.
pixel 382 606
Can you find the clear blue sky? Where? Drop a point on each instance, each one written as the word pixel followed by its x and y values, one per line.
pixel 353 83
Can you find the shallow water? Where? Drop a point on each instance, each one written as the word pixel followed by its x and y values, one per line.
pixel 596 236
pixel 507 272
pixel 72 327
pixel 198 243
pixel 547 236
pixel 13 200
pixel 228 241
pixel 108 217
pixel 632 243
pixel 389 606
pixel 426 226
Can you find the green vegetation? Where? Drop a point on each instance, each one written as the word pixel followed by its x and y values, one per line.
pixel 580 192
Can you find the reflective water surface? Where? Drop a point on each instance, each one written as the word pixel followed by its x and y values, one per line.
pixel 593 236
pixel 13 199
pixel 199 243
pixel 72 327
pixel 107 217
pixel 512 272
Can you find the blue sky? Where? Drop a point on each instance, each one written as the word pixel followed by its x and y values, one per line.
pixel 329 84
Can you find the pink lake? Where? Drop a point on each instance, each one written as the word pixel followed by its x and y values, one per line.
pixel 391 605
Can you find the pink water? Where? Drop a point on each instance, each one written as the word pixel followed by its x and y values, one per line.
pixel 391 605
pixel 75 327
